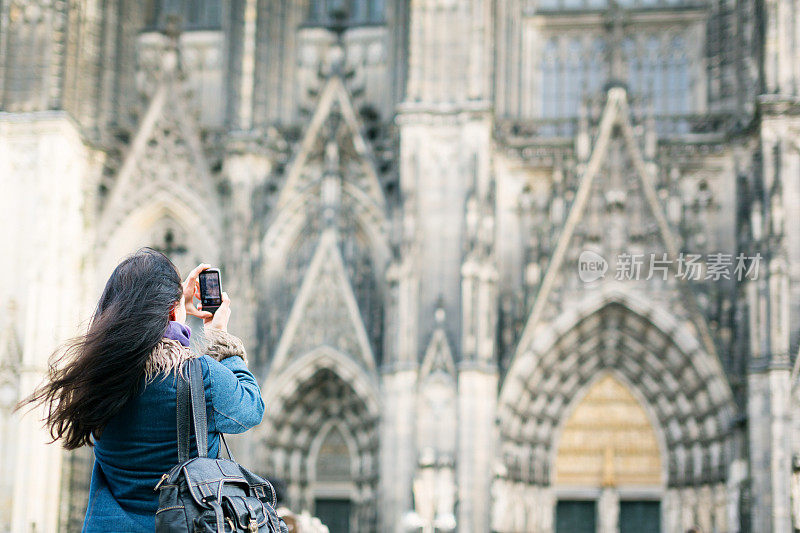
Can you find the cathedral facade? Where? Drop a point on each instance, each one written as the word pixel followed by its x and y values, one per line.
pixel 500 265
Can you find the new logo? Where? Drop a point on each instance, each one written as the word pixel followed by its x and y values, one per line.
pixel 591 266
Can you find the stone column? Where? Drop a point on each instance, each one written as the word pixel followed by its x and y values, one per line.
pixel 781 53
pixel 670 510
pixel 769 390
pixel 397 453
pixel 737 476
pixel 770 461
pixel 50 165
pixel 720 508
pixel 796 492
pixel 477 398
pixel 705 508
pixel 608 511
pixel 546 503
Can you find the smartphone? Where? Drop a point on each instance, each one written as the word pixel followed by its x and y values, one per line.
pixel 210 289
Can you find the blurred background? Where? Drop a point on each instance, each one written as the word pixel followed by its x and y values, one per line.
pixel 500 265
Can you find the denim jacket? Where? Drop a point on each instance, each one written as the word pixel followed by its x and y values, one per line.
pixel 139 444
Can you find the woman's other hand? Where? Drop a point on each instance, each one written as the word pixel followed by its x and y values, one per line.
pixel 219 320
pixel 191 290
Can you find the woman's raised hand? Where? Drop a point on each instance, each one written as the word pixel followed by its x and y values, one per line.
pixel 219 320
pixel 191 290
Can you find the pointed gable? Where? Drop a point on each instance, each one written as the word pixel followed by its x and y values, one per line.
pixel 334 104
pixel 616 179
pixel 165 160
pixel 331 146
pixel 325 312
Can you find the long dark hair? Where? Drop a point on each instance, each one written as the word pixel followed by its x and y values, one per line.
pixel 92 376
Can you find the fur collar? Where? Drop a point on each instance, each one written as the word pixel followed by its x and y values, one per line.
pixel 166 358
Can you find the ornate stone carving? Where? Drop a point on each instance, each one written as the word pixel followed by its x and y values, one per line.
pixel 680 383
pixel 310 406
pixel 325 312
pixel 608 440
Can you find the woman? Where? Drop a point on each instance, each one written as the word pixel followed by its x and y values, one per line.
pixel 114 388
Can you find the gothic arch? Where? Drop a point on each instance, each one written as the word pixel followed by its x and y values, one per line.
pixel 362 247
pixel 288 224
pixel 134 231
pixel 331 144
pixel 684 386
pixel 325 311
pixel 325 432
pixel 287 229
pixel 323 389
pixel 279 386
pixel 165 162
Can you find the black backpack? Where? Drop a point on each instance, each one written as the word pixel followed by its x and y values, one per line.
pixel 202 494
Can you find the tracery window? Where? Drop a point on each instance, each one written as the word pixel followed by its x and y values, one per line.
pixel 550 79
pixel 570 71
pixel 658 72
pixel 350 12
pixel 191 14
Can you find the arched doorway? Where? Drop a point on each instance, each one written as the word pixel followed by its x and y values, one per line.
pixel 320 439
pixel 334 488
pixel 608 472
pixel 665 369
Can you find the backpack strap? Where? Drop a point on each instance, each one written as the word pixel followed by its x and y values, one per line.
pixel 182 410
pixel 198 396
pixel 225 443
pixel 191 402
pixel 219 514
